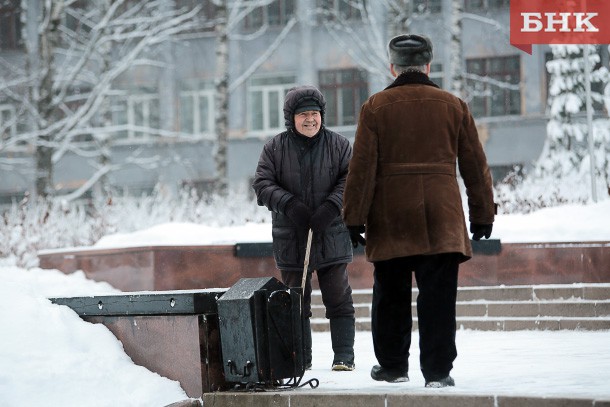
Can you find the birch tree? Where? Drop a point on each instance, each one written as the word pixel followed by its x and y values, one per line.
pixel 68 77
pixel 229 17
pixel 222 95
pixel 456 67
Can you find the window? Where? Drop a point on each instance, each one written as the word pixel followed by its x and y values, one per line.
pixel 427 6
pixel 136 114
pixel 8 127
pixel 279 12
pixel 275 14
pixel 340 10
pixel 498 4
pixel 484 5
pixel 142 114
pixel 208 8
pixel 10 24
pixel 494 85
pixel 436 74
pixel 266 102
pixel 76 19
pixel 197 112
pixel 207 13
pixel 345 91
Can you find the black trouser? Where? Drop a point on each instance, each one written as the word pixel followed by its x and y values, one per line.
pixel 436 277
pixel 334 286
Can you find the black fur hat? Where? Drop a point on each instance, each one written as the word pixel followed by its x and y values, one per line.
pixel 302 98
pixel 410 50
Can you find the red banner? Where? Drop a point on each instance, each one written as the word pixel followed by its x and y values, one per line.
pixel 559 22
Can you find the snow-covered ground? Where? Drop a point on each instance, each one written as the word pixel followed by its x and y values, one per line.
pixel 531 363
pixel 50 357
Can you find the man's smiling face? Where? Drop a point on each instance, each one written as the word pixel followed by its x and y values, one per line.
pixel 308 122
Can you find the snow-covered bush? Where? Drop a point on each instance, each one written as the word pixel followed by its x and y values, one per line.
pixel 562 173
pixel 29 226
pixel 519 192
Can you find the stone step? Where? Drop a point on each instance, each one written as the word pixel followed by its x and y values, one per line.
pixel 547 309
pixel 497 324
pixel 535 292
pixel 543 307
pixel 558 308
pixel 507 293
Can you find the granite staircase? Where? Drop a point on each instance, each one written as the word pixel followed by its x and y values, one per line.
pixel 505 308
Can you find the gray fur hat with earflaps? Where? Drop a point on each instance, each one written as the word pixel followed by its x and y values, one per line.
pixel 410 50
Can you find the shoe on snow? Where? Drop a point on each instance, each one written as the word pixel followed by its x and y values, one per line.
pixel 382 374
pixel 444 382
pixel 343 366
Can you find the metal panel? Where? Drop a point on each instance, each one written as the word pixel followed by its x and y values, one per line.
pixel 264 249
pixel 157 303
pixel 486 247
pixel 261 331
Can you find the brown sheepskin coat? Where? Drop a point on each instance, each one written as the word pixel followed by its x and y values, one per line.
pixel 402 180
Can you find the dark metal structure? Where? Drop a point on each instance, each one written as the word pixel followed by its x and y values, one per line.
pixel 145 303
pixel 249 336
pixel 173 333
pixel 261 332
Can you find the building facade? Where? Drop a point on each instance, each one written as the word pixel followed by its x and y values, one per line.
pixel 164 113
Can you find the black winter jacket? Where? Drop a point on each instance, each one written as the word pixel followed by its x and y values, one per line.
pixel 314 171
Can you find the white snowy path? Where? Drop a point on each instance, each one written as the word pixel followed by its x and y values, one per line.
pixel 531 363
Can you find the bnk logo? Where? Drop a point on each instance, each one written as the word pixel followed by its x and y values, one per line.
pixel 533 22
pixel 559 22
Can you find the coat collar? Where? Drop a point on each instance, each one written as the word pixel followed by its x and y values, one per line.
pixel 412 78
pixel 304 139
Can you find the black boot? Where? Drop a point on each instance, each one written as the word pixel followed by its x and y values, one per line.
pixel 342 332
pixel 307 343
pixel 444 382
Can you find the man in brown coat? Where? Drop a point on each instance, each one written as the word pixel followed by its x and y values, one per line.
pixel 402 187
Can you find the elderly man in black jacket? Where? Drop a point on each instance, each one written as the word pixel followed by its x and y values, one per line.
pixel 300 178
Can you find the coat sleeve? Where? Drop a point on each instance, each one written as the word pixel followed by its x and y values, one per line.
pixel 268 192
pixel 360 183
pixel 344 155
pixel 475 172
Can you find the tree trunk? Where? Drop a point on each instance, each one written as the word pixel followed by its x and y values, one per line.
pixel 455 57
pixel 222 97
pixel 48 39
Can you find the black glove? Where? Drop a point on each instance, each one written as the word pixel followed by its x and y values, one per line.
pixel 323 216
pixel 478 231
pixel 298 212
pixel 355 235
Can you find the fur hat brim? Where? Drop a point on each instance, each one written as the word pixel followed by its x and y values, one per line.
pixel 410 50
pixel 308 104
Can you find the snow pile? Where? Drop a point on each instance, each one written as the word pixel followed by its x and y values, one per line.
pixel 567 223
pixel 49 356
